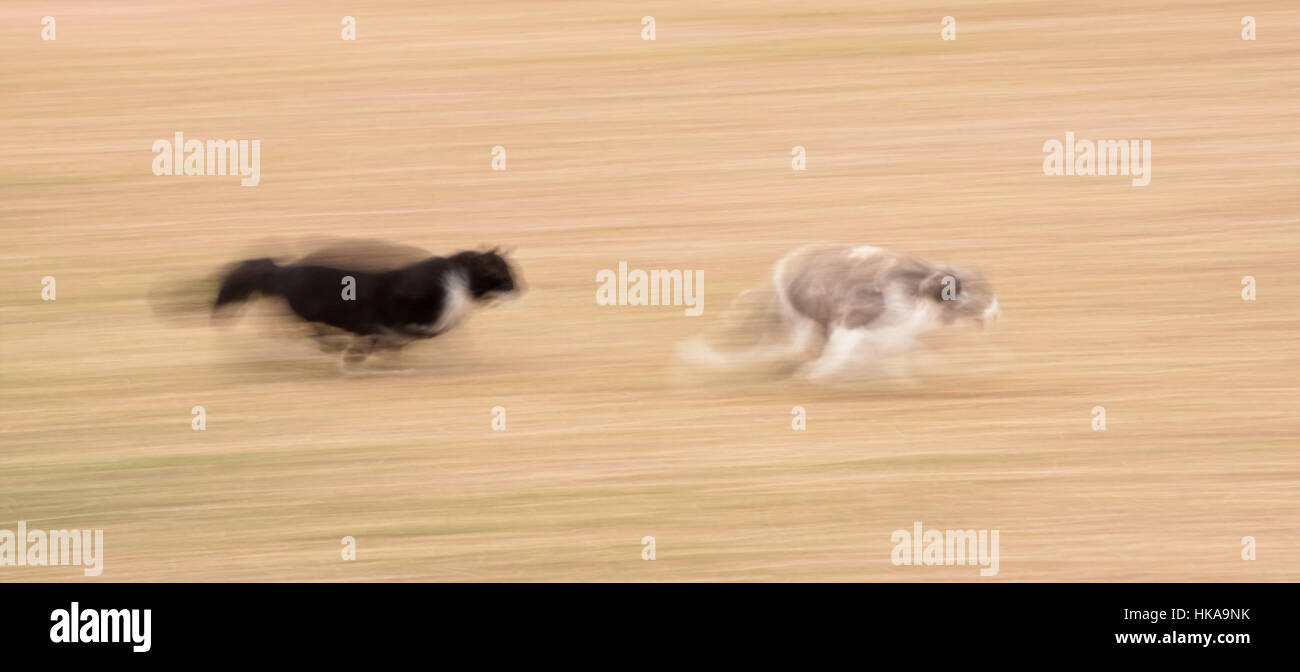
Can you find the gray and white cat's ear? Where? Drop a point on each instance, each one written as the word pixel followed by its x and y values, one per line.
pixel 943 284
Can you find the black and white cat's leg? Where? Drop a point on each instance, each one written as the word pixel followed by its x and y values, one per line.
pixel 328 339
pixel 389 350
pixel 357 352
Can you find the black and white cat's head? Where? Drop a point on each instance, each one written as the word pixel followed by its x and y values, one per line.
pixel 488 275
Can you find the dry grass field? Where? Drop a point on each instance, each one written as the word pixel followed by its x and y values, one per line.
pixel 671 153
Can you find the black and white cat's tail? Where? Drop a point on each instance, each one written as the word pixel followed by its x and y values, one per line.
pixel 244 278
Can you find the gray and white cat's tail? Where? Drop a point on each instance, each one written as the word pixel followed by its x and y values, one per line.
pixel 759 328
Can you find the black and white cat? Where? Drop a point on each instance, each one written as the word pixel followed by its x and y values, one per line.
pixel 387 309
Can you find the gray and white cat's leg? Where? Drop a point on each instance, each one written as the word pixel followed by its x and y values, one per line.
pixel 803 331
pixel 844 347
pixel 893 346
